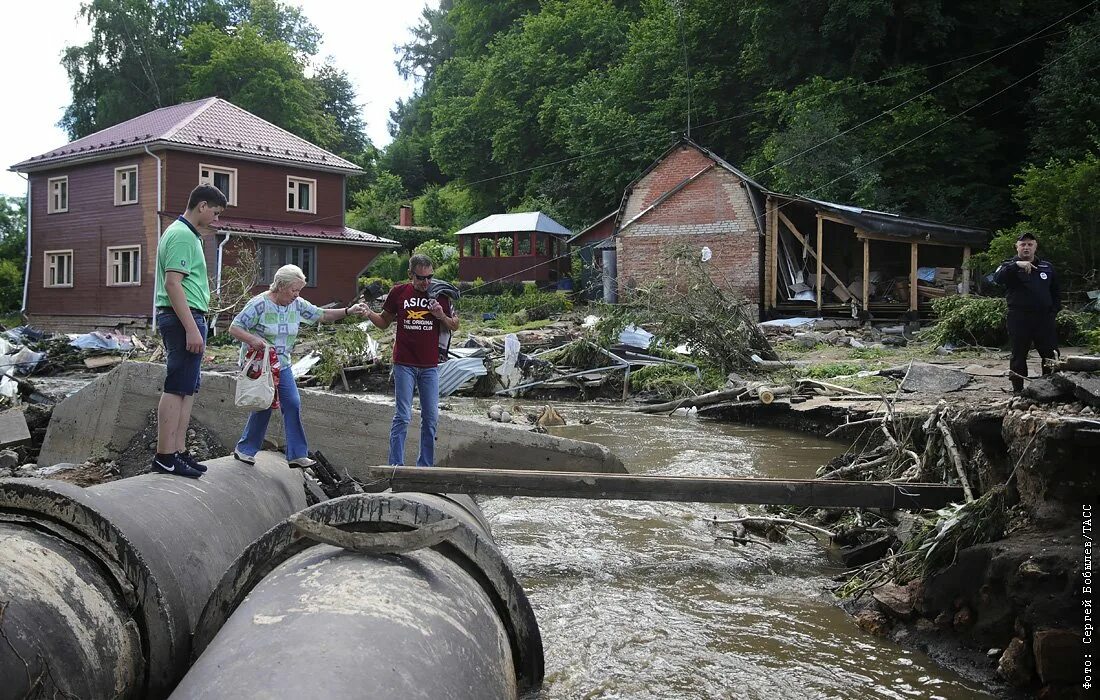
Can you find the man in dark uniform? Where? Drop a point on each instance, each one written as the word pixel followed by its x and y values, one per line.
pixel 1034 299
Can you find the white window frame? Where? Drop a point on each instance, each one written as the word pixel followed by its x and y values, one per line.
pixel 271 255
pixel 294 189
pixel 54 186
pixel 208 179
pixel 49 269
pixel 115 265
pixel 123 193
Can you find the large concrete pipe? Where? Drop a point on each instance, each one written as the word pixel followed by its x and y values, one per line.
pixel 380 595
pixel 101 588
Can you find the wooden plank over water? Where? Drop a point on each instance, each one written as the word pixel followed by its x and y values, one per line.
pixel 639 487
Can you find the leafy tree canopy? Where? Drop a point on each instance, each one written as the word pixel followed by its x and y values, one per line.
pixel 147 54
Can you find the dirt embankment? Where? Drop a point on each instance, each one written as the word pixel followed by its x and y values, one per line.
pixel 1006 612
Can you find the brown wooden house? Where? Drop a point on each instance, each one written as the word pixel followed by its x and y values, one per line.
pixel 98 205
pixel 523 247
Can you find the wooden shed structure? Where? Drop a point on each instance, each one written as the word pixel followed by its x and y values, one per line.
pixel 835 258
pixel 522 247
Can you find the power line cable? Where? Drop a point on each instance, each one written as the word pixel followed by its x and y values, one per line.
pixel 863 165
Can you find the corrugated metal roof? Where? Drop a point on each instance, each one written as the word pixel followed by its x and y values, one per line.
pixel 255 228
pixel 209 125
pixel 517 223
pixel 902 228
pixel 594 225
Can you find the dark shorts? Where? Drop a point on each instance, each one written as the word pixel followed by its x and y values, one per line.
pixel 182 377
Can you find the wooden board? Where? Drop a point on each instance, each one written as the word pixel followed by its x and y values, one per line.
pixel 13 428
pixel 634 487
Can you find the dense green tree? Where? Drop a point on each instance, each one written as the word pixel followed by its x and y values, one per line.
pixel 375 208
pixel 1067 102
pixel 129 66
pixel 256 53
pixel 1060 203
pixel 261 76
pixel 13 251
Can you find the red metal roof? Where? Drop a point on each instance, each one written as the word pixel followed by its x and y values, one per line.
pixel 209 125
pixel 256 228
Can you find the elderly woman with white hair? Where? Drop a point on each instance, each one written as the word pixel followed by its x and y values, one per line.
pixel 273 318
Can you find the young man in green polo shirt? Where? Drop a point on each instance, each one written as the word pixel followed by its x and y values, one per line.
pixel 182 301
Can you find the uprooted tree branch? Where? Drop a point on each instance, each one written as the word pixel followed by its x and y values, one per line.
pixel 688 305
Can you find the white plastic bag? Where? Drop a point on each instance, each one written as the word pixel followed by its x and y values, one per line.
pixel 256 393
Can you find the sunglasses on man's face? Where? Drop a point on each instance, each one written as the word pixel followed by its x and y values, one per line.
pixel 423 278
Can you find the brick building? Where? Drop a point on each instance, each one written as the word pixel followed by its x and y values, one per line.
pixel 691 198
pixel 787 253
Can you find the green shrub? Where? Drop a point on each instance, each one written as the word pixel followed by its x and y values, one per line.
pixel 668 382
pixel 390 266
pixel 537 306
pixel 970 320
pixel 383 282
pixel 1091 340
pixel 1074 326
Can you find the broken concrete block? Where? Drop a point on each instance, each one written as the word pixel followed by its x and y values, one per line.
pixel 13 428
pixel 9 459
pixel 1083 386
pixel 1046 390
pixel 933 379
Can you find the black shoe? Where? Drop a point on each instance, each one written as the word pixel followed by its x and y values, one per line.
pixel 175 465
pixel 192 462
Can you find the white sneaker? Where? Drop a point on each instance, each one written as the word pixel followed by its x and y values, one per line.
pixel 240 457
pixel 302 462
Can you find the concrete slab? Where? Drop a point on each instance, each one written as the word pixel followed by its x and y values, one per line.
pixel 99 420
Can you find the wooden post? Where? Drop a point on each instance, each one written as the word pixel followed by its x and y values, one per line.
pixel 912 276
pixel 806 245
pixel 966 270
pixel 866 272
pixel 771 223
pixel 820 229
pixel 496 245
pixel 644 487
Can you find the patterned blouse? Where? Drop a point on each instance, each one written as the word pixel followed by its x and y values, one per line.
pixel 278 325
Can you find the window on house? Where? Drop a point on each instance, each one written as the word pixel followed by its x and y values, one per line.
pixel 59 269
pixel 273 256
pixel 58 189
pixel 124 266
pixel 301 195
pixel 225 179
pixel 126 185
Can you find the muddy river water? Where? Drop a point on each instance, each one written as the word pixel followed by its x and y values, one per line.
pixel 638 599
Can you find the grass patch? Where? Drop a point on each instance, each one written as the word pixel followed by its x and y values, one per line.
pixel 827 370
pixel 793 347
pixel 669 382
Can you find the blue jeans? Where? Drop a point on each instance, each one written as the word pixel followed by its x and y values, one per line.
pixel 290 404
pixel 426 382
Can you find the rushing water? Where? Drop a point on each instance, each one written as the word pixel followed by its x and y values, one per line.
pixel 638 599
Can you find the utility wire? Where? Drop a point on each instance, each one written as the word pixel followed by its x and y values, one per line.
pixel 867 163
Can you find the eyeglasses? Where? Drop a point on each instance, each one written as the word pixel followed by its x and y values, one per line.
pixel 423 278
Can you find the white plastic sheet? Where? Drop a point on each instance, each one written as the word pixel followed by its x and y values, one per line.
pixel 635 337
pixel 510 375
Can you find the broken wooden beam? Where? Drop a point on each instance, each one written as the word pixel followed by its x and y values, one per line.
pixel 641 487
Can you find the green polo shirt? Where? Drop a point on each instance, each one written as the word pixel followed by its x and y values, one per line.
pixel 180 250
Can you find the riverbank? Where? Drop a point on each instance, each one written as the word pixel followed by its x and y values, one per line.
pixel 1001 612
